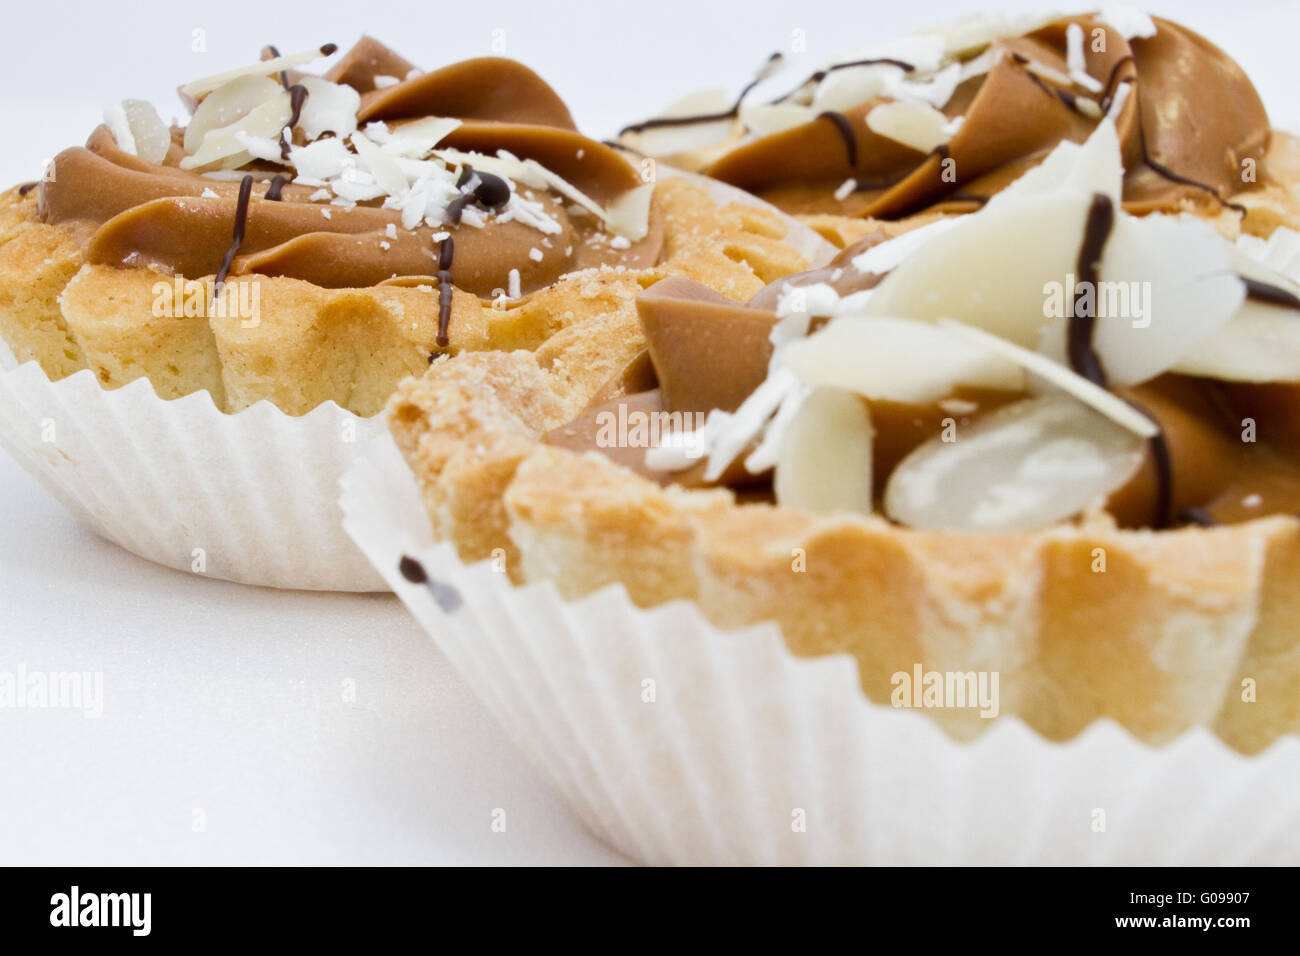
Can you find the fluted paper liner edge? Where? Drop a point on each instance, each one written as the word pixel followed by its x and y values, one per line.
pixel 249 497
pixel 678 743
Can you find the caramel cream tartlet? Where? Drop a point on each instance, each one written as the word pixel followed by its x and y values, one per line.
pixel 306 238
pixel 937 122
pixel 1053 436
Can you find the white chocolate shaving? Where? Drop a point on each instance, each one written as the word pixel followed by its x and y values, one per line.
pixel 221 147
pixel 116 121
pixel 1127 20
pixel 1077 61
pixel 388 175
pixel 1023 466
pixel 329 108
pixel 1113 407
pixel 150 134
pixel 824 464
pixel 267 68
pixel 897 360
pixel 912 123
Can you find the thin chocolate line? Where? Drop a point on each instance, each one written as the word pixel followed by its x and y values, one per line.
pixel 661 121
pixel 845 128
pixel 446 252
pixel 275 55
pixel 1108 90
pixel 965 197
pixel 1079 331
pixel 25 188
pixel 1271 294
pixel 870 61
pixel 456 208
pixel 277 184
pixel 297 97
pixel 615 144
pixel 1065 96
pixel 241 223
pixel 1164 468
pixel 1039 82
pixel 847 64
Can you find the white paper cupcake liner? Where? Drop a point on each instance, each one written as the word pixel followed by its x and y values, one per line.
pixel 748 755
pixel 250 497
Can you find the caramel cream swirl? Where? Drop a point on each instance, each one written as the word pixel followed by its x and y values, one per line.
pixel 139 213
pixel 1187 115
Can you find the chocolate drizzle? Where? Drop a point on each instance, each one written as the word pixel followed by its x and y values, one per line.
pixel 847 64
pixel 1079 332
pixel 446 596
pixel 730 113
pixel 1112 81
pixel 412 570
pixel 1065 96
pixel 491 192
pixel 1163 464
pixel 25 188
pixel 277 184
pixel 615 144
pixel 275 55
pixel 1164 468
pixel 446 251
pixel 845 128
pixel 1270 294
pixel 241 223
pixel 297 97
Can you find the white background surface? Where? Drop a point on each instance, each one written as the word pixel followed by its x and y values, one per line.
pixel 225 736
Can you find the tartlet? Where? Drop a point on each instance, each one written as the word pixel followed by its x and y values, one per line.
pixel 915 457
pixel 200 315
pixel 330 206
